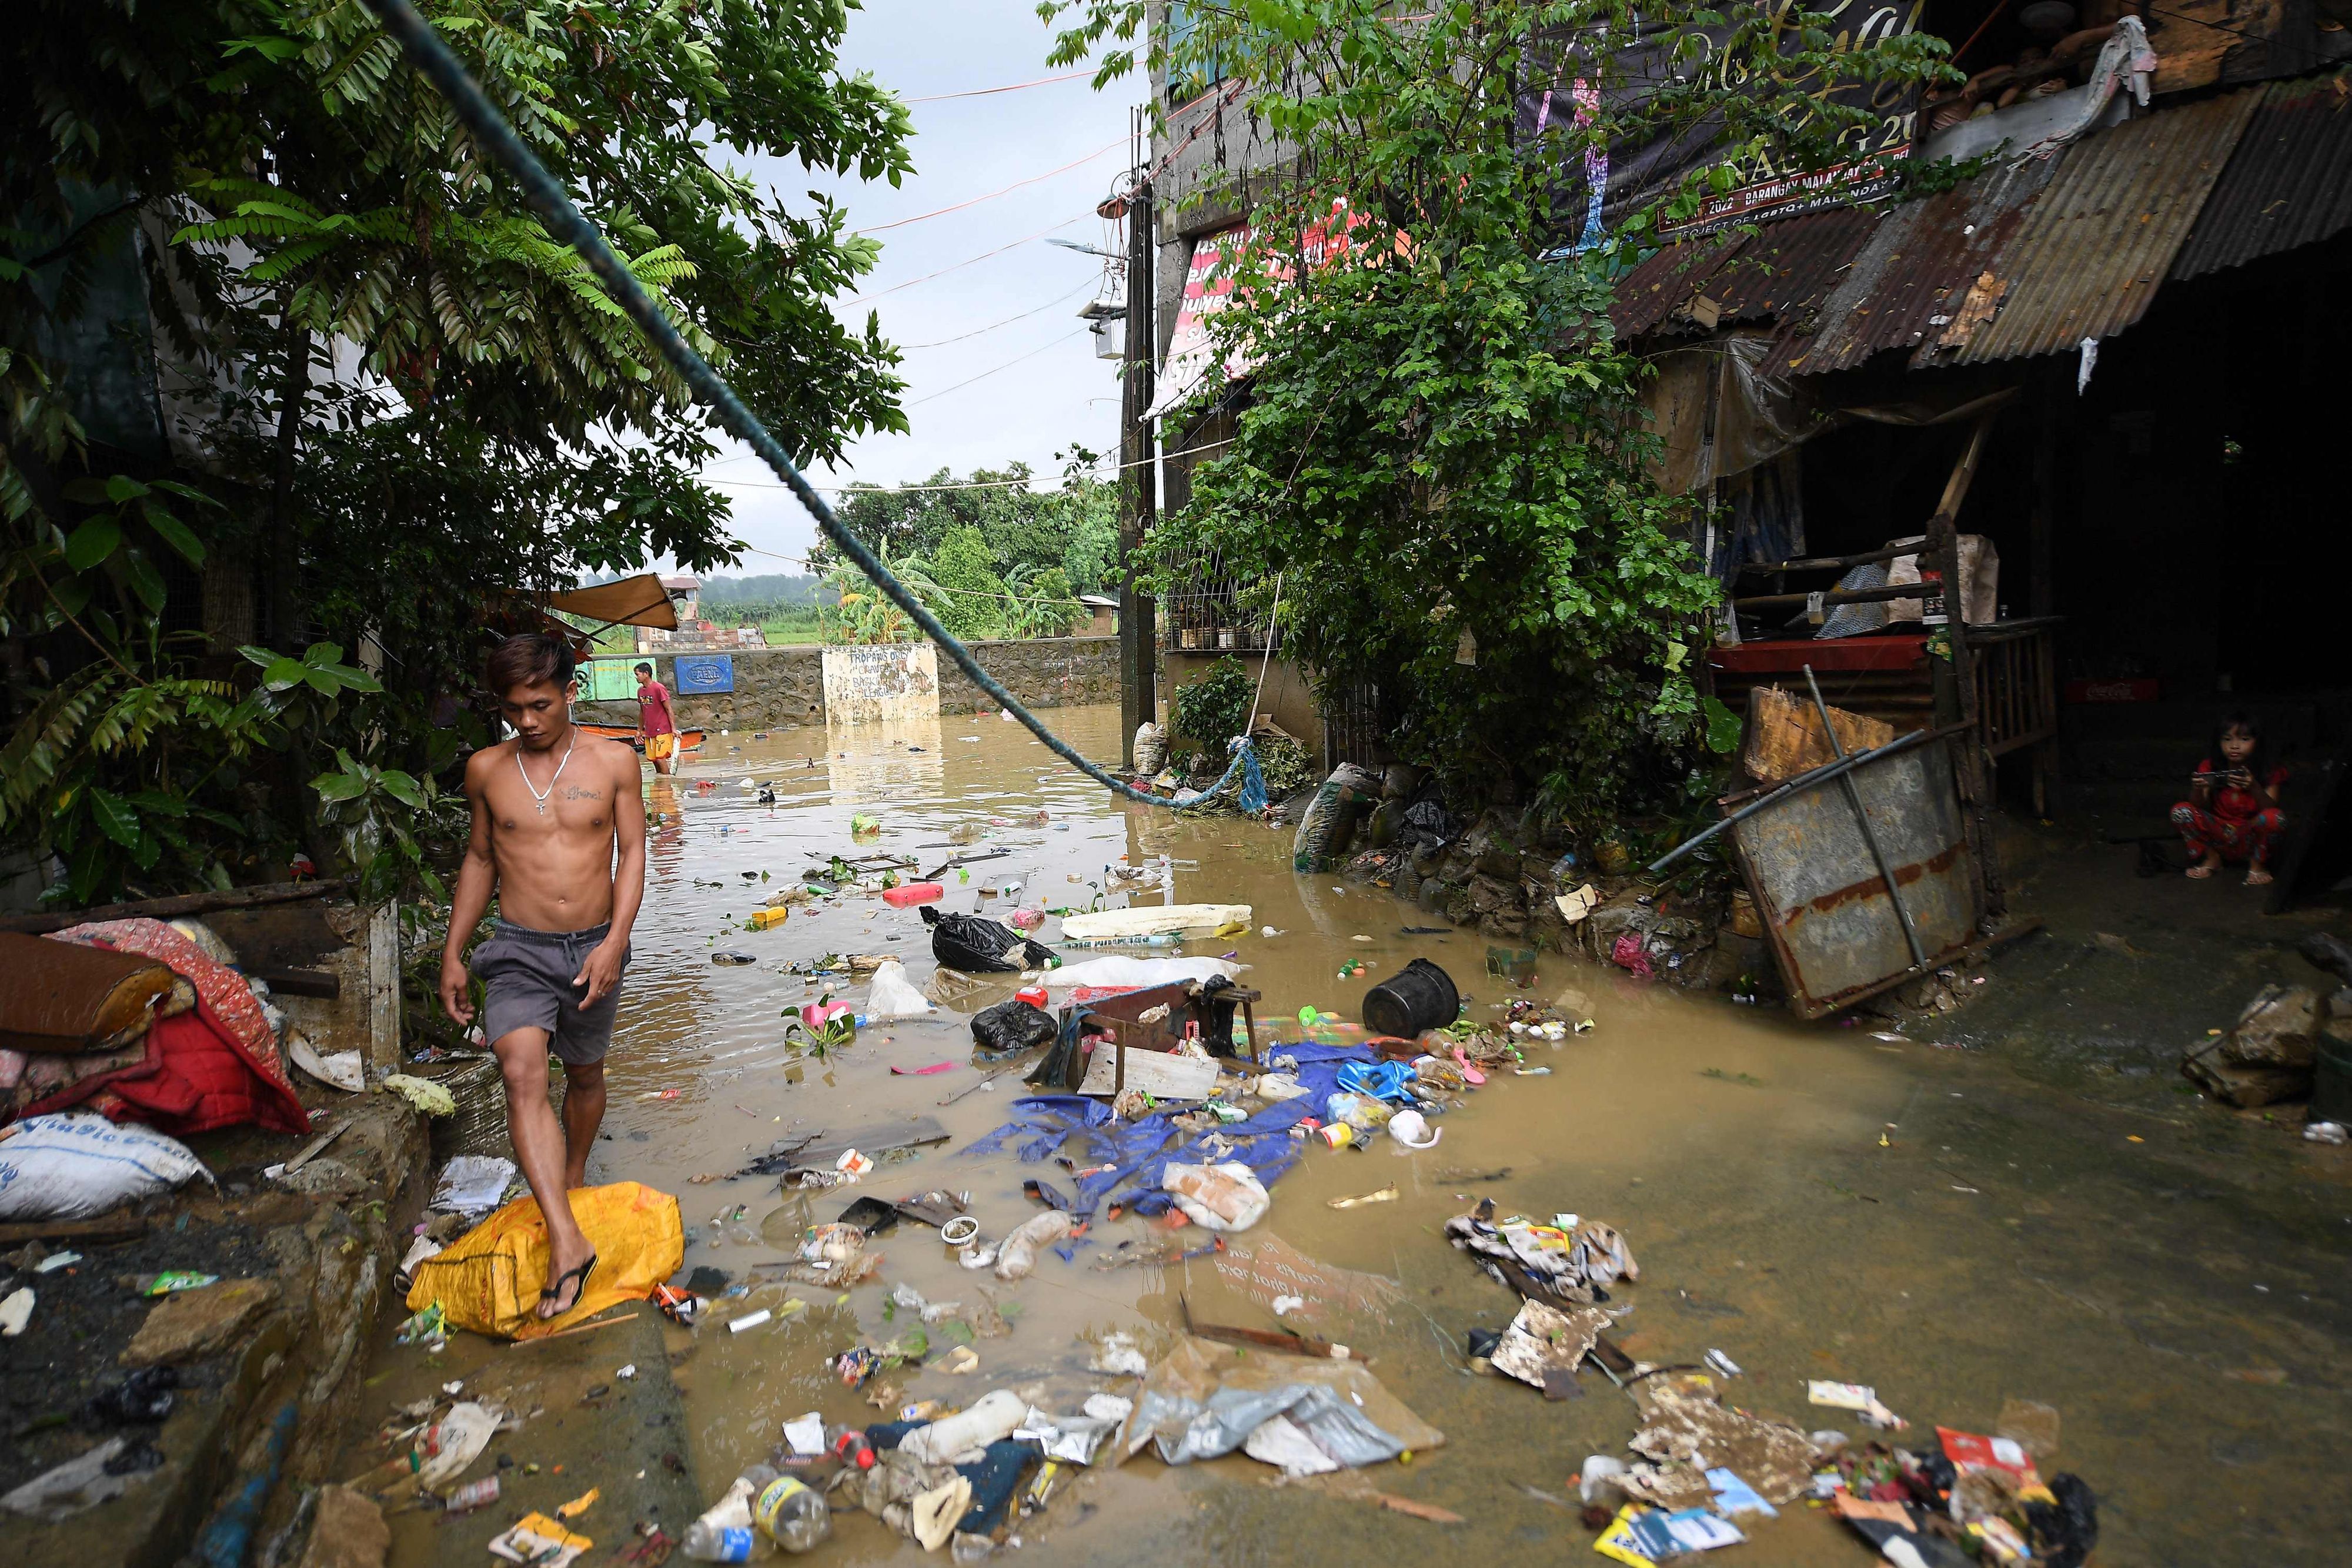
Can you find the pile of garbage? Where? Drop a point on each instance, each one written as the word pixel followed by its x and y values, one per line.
pixel 1705 1469
pixel 2290 1042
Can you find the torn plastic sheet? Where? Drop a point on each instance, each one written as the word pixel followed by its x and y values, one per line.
pixel 1075 1438
pixel 1203 1400
pixel 1213 1429
pixel 1125 1159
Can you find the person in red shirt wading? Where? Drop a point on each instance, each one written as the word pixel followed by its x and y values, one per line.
pixel 654 721
pixel 2232 812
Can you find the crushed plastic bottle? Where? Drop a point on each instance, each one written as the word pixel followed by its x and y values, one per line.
pixel 792 1514
pixel 723 1534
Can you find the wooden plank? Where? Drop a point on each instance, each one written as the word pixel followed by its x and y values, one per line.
pixel 1162 1074
pixel 1785 736
pixel 179 904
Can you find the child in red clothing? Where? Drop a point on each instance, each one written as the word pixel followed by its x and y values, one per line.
pixel 2232 814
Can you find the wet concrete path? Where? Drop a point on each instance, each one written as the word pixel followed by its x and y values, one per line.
pixel 2169 1277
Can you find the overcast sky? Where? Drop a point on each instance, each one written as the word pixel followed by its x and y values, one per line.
pixel 967 146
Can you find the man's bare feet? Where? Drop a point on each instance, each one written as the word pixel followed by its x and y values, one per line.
pixel 2258 877
pixel 567 1278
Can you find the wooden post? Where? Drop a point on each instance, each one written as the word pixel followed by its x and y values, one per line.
pixel 1139 638
pixel 1975 773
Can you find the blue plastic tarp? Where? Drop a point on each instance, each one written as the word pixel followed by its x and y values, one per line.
pixel 1133 1154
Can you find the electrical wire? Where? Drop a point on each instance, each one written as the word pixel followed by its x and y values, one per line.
pixel 567 226
pixel 959 266
pixel 960 483
pixel 1007 365
pixel 919 217
pixel 1008 321
pixel 986 91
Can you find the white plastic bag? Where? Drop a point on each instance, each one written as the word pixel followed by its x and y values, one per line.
pixel 890 995
pixel 76 1165
pixel 1217 1197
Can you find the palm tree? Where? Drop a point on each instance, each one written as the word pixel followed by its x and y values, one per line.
pixel 866 615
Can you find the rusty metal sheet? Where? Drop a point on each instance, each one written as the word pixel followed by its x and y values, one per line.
pixel 2096 245
pixel 2288 184
pixel 1778 273
pixel 1902 288
pixel 1825 907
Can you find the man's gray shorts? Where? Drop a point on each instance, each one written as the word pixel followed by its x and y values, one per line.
pixel 527 975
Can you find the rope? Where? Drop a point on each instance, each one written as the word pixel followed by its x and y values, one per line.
pixel 567 224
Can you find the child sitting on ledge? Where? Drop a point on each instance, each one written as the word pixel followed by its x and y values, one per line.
pixel 2232 812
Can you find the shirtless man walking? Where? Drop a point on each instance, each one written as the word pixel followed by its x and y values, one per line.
pixel 560 834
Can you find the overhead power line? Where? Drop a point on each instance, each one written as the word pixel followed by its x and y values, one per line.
pixel 919 217
pixel 1099 468
pixel 1005 366
pixel 983 256
pixel 1008 321
pixel 986 91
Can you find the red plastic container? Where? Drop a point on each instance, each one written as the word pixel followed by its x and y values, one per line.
pixel 913 892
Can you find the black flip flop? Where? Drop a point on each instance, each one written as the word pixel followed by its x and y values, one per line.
pixel 581 1274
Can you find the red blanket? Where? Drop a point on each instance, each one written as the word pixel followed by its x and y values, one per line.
pixel 216 1066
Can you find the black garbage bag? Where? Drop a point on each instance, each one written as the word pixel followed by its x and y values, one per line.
pixel 2064 1533
pixel 1064 1068
pixel 144 1396
pixel 1011 1026
pixel 980 946
pixel 1217 1025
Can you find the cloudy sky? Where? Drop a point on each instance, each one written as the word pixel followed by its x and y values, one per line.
pixel 1039 387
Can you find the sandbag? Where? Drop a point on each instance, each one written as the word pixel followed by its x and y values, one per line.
pixel 983 946
pixel 489 1279
pixel 1012 1026
pixel 1151 749
pixel 71 1167
pixel 1330 819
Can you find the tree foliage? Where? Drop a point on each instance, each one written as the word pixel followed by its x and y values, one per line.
pixel 390 396
pixel 1440 447
pixel 1075 529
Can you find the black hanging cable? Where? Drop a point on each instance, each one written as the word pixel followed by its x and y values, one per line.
pixel 570 227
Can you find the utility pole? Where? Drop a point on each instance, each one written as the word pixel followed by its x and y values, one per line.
pixel 1139 496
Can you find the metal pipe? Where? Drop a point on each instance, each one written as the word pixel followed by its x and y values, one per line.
pixel 1869 833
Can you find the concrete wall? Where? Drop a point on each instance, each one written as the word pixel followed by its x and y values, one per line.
pixel 1289 700
pixel 783 688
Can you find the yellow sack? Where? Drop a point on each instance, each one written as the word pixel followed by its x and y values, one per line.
pixel 489 1279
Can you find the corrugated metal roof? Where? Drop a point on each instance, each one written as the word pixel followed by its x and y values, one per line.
pixel 2097 243
pixel 1921 254
pixel 1780 271
pixel 2289 183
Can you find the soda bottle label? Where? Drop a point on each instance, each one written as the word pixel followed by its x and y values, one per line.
pixel 735 1544
pixel 773 1498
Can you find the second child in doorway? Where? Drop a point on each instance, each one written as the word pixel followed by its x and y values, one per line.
pixel 2232 810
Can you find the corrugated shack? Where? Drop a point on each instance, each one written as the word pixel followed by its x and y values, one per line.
pixel 2091 372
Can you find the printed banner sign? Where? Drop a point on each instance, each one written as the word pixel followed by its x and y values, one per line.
pixel 700 674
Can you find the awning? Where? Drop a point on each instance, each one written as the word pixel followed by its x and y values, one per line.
pixel 640 601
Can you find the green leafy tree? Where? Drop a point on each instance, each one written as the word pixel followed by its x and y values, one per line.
pixel 965 571
pixel 393 400
pixel 1440 447
pixel 1075 527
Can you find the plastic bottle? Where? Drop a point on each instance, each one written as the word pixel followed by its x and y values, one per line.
pixel 790 1513
pixel 723 1534
pixel 850 1445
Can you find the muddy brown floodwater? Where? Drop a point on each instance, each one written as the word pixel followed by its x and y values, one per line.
pixel 2169 1280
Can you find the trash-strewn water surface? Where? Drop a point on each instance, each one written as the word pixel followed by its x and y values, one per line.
pixel 1813 1203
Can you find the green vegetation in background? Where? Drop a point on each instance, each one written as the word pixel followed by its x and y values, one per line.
pixel 309 231
pixel 1441 448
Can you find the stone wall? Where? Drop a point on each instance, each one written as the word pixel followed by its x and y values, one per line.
pixel 783 688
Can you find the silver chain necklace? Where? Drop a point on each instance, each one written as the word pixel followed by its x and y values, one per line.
pixel 538 796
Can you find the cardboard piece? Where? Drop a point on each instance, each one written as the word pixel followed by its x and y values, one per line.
pixel 1162 1074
